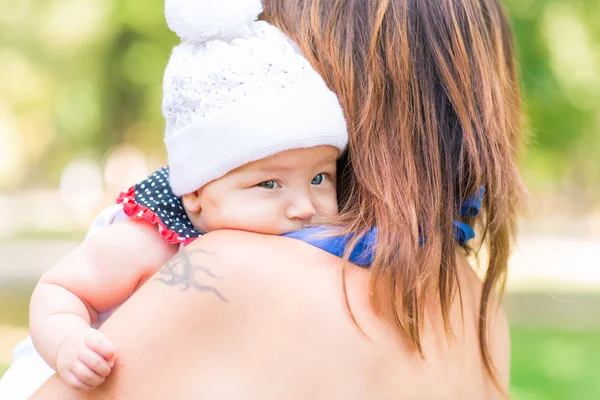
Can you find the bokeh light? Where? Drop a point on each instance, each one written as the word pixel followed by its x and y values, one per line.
pixel 81 186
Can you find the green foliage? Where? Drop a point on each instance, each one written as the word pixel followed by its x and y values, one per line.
pixel 92 74
pixel 559 53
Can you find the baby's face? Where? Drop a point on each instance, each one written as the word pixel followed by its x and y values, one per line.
pixel 275 195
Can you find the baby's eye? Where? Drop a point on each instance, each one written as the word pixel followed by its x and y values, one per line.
pixel 318 179
pixel 269 185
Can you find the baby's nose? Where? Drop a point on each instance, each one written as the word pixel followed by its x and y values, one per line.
pixel 301 208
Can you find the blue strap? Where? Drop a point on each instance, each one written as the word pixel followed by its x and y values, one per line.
pixel 363 252
pixel 463 232
pixel 472 205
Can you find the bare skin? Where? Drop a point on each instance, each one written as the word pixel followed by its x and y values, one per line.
pixel 274 195
pixel 246 316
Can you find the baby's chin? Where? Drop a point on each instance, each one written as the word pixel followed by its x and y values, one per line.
pixel 291 228
pixel 280 230
pixel 274 228
pixel 275 231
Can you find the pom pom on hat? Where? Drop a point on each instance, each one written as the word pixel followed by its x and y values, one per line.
pixel 202 20
pixel 237 90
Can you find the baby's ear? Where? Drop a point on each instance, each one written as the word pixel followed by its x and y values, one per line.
pixel 191 202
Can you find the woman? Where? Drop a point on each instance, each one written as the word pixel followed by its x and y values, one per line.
pixel 430 95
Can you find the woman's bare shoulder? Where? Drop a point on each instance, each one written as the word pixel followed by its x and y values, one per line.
pixel 248 263
pixel 263 278
pixel 238 250
pixel 241 246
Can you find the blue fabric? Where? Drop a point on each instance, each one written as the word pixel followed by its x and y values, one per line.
pixel 472 205
pixel 363 252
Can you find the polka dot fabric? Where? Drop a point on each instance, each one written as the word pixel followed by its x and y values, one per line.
pixel 154 201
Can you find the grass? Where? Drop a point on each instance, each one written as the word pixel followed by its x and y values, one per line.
pixel 551 363
pixel 547 363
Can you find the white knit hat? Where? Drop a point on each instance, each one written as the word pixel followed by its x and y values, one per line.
pixel 237 90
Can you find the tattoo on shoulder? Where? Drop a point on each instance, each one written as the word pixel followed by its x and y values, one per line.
pixel 181 271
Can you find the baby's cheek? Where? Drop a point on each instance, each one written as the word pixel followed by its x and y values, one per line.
pixel 218 218
pixel 328 206
pixel 250 217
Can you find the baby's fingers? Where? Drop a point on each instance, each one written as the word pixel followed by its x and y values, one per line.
pixel 86 376
pixel 101 345
pixel 72 380
pixel 96 362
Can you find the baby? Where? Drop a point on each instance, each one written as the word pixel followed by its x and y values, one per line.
pixel 252 136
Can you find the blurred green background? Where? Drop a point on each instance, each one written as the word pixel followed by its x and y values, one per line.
pixel 80 93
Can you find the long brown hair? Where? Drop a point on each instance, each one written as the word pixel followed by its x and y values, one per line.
pixel 430 93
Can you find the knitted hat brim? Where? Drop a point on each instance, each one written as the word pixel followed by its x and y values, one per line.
pixel 264 124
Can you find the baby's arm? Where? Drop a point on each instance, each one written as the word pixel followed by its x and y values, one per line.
pixel 97 276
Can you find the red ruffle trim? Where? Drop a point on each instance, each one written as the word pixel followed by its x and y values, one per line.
pixel 137 211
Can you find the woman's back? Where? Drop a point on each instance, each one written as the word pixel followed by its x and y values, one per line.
pixel 431 100
pixel 270 322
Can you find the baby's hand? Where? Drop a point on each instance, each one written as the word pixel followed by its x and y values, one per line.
pixel 85 359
